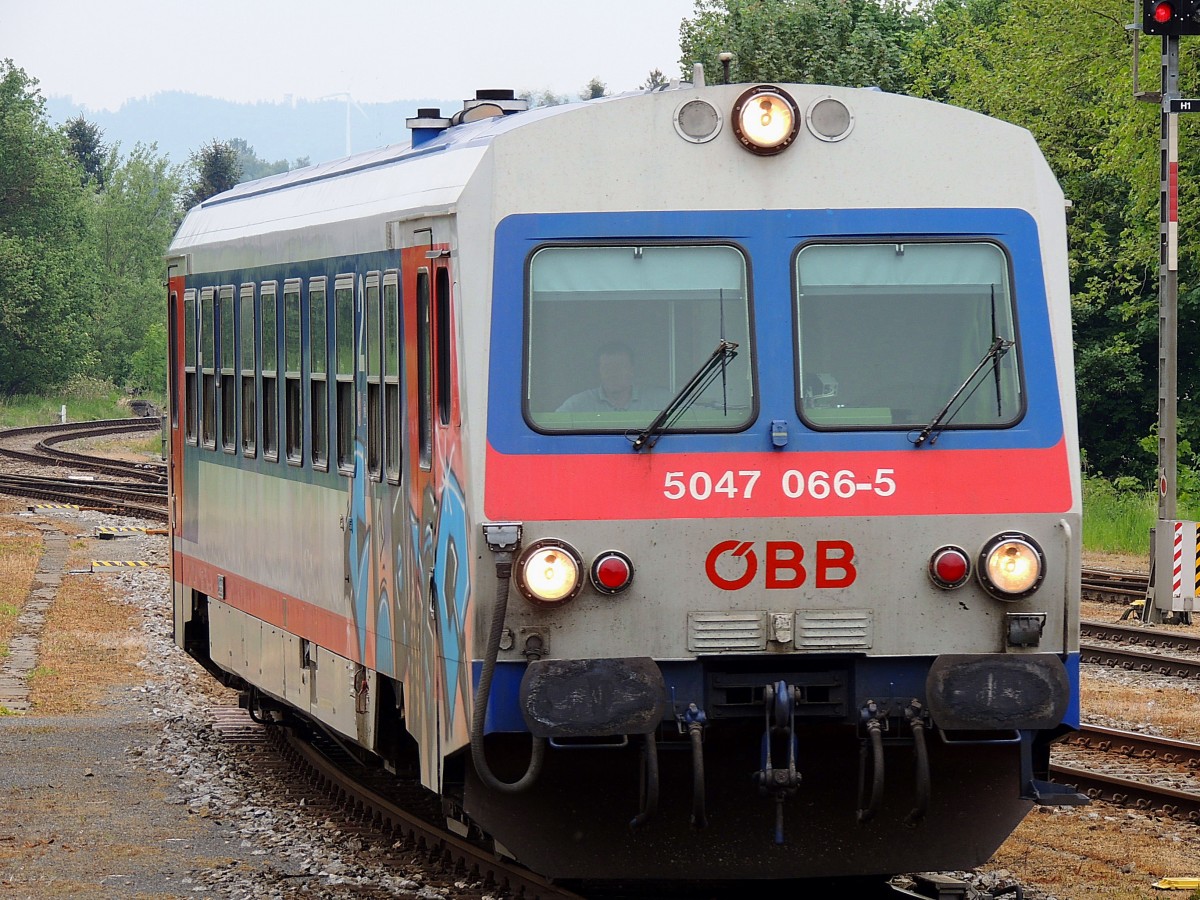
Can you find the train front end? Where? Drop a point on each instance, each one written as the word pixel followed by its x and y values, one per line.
pixel 781 508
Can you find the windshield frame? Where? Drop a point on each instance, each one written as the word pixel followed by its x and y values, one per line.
pixel 747 346
pixel 925 239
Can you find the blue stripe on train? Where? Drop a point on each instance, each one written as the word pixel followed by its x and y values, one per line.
pixel 770 238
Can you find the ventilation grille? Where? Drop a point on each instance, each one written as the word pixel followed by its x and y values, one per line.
pixel 830 629
pixel 726 632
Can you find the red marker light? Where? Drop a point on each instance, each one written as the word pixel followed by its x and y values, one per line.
pixel 949 567
pixel 1163 12
pixel 612 572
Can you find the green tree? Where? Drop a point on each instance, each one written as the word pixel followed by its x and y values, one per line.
pixel 133 221
pixel 251 166
pixel 843 42
pixel 215 168
pixel 1063 71
pixel 148 365
pixel 545 97
pixel 45 271
pixel 593 89
pixel 86 146
pixel 655 79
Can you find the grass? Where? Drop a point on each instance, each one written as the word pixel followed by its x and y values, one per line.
pixel 89 643
pixel 86 399
pixel 1117 520
pixel 20 549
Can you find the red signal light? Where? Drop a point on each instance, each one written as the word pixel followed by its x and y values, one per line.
pixel 949 567
pixel 1163 12
pixel 612 572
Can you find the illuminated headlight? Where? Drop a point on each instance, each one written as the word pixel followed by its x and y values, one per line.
pixel 766 120
pixel 549 572
pixel 1011 566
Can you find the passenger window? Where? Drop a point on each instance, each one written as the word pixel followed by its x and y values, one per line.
pixel 442 297
pixel 189 365
pixel 269 350
pixel 228 384
pixel 293 401
pixel 392 429
pixel 343 334
pixel 374 377
pixel 888 332
pixel 424 375
pixel 614 333
pixel 248 366
pixel 318 368
pixel 208 364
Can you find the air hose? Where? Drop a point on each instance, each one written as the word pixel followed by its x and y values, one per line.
pixel 875 734
pixel 484 690
pixel 922 774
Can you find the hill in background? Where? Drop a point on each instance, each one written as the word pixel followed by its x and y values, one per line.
pixel 181 123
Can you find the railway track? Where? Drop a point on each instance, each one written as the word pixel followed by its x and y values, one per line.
pixel 141 490
pixel 1170 760
pixel 1113 587
pixel 366 796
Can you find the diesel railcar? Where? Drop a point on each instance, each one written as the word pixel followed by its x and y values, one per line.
pixel 682 484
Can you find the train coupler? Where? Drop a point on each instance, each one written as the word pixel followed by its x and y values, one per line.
pixel 779 706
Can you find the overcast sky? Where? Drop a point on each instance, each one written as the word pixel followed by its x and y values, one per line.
pixel 103 52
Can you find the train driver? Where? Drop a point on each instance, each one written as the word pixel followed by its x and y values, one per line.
pixel 617 390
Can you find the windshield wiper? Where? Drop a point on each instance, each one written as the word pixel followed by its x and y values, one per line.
pixel 993 355
pixel 689 394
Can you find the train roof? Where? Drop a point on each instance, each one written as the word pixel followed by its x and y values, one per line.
pixel 547 159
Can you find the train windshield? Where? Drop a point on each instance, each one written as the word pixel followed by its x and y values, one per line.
pixel 614 333
pixel 888 332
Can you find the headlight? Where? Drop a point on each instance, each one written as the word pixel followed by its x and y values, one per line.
pixel 766 120
pixel 1011 566
pixel 548 572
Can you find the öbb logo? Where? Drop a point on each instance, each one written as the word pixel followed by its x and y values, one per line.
pixel 784 565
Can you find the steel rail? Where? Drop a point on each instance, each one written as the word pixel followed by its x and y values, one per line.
pixel 1138 745
pixel 53 491
pixel 1126 792
pixel 1113 587
pixel 440 843
pixel 1143 636
pixel 1131 660
pixel 47 455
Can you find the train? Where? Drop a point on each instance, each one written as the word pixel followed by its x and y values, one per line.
pixel 681 484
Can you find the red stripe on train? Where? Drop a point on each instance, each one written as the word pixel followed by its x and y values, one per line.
pixel 918 482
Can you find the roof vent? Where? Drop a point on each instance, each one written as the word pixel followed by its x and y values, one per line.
pixel 488 104
pixel 426 125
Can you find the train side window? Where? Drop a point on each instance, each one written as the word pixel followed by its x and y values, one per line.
pixel 887 333
pixel 268 329
pixel 391 375
pixel 424 375
pixel 248 365
pixel 189 365
pixel 374 376
pixel 615 332
pixel 343 336
pixel 318 369
pixel 208 367
pixel 293 399
pixel 228 385
pixel 442 362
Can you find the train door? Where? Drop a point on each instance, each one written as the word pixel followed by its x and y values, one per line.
pixel 181 341
pixel 436 507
